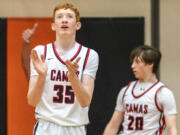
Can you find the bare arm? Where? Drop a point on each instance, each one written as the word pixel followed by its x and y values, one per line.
pixel 83 90
pixel 36 83
pixel 113 125
pixel 25 57
pixel 171 124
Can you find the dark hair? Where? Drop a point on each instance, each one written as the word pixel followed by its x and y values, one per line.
pixel 148 55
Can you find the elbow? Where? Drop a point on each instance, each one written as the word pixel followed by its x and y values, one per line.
pixel 85 104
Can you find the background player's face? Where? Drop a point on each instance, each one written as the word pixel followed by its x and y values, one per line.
pixel 65 22
pixel 140 69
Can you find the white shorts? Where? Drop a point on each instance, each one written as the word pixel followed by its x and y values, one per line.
pixel 43 127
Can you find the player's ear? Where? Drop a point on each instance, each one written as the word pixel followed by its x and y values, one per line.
pixel 78 25
pixel 53 27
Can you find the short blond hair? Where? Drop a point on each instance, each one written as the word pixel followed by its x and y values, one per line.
pixel 67 6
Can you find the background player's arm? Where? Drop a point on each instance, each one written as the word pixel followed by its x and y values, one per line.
pixel 36 83
pixel 25 57
pixel 113 125
pixel 118 115
pixel 82 89
pixel 167 101
pixel 171 124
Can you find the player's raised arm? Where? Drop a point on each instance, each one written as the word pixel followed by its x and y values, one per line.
pixel 25 57
pixel 36 83
pixel 83 90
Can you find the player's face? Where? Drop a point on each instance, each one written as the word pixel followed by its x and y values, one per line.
pixel 65 22
pixel 140 69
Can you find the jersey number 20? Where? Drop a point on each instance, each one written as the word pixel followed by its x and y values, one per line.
pixel 138 122
pixel 63 97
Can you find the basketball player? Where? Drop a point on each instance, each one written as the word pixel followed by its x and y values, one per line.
pixel 62 78
pixel 144 105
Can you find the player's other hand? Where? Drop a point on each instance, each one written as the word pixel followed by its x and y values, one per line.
pixel 28 33
pixel 72 67
pixel 39 63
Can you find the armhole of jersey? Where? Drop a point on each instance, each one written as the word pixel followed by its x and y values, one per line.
pixel 45 51
pixel 156 98
pixel 125 91
pixel 86 59
pixel 162 124
pixel 35 128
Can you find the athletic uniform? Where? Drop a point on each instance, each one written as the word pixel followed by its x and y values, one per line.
pixel 144 106
pixel 58 106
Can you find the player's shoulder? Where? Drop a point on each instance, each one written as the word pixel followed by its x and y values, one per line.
pixel 165 90
pixel 92 54
pixel 131 83
pixel 125 87
pixel 92 51
pixel 41 47
pixel 128 85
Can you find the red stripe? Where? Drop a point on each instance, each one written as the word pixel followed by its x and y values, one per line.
pixel 144 91
pixel 76 53
pixel 163 125
pixel 86 58
pixel 57 55
pixel 126 90
pixel 156 99
pixel 44 52
pixel 163 118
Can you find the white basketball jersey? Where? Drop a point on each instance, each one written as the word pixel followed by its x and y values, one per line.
pixel 58 103
pixel 142 114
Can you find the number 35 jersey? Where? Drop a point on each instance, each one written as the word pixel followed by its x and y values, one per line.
pixel 58 103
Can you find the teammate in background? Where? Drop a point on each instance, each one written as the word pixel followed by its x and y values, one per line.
pixel 62 78
pixel 25 58
pixel 144 105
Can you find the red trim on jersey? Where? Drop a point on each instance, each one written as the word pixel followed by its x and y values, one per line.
pixel 125 91
pixel 163 125
pixel 86 59
pixel 76 53
pixel 144 91
pixel 45 50
pixel 61 60
pixel 35 128
pixel 156 99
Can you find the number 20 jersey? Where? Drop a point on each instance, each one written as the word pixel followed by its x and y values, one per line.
pixel 58 103
pixel 142 112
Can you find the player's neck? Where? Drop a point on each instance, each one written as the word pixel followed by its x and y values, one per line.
pixel 65 43
pixel 149 78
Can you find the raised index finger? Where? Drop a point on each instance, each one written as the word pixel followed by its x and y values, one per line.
pixel 34 27
pixel 77 60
